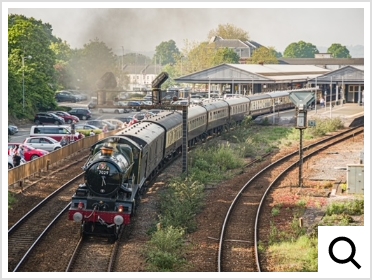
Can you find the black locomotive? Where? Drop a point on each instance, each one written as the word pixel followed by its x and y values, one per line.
pixel 120 165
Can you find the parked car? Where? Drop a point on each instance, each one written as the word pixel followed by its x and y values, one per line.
pixel 79 94
pixel 12 129
pixel 117 123
pixel 67 96
pixel 111 110
pixel 93 103
pixel 66 116
pixel 45 118
pixel 142 115
pixel 56 132
pixel 86 128
pixel 135 104
pixel 129 120
pixel 101 123
pixel 43 142
pixel 155 111
pixel 81 113
pixel 30 152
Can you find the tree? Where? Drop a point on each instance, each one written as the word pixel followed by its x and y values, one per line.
pixel 92 62
pixel 29 41
pixel 225 55
pixel 300 50
pixel 166 52
pixel 338 51
pixel 229 31
pixel 265 55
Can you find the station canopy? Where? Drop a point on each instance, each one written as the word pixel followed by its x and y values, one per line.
pixel 273 73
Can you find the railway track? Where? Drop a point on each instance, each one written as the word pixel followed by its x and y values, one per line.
pixel 239 233
pixel 24 235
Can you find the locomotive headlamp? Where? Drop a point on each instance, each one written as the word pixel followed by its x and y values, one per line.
pixel 118 220
pixel 78 217
pixel 120 209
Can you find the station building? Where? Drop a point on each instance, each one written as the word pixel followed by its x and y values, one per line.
pixel 339 80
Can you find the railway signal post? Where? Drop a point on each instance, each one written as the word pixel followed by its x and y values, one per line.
pixel 302 100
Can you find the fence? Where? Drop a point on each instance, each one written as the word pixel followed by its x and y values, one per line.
pixel 21 172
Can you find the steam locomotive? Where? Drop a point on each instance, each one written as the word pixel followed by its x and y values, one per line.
pixel 119 166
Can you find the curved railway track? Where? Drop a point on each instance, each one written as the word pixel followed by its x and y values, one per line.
pixel 239 233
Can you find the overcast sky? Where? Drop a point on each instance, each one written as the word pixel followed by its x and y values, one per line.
pixel 141 30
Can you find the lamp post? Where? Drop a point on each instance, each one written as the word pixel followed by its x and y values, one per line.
pixel 23 78
pixel 316 91
pixel 330 101
pixel 209 88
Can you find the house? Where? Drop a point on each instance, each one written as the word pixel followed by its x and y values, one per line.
pixel 245 50
pixel 141 75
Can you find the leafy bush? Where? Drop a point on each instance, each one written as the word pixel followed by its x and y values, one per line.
pixel 165 250
pixel 180 203
pixel 211 163
pixel 355 207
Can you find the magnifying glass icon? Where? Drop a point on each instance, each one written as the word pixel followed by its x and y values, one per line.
pixel 348 259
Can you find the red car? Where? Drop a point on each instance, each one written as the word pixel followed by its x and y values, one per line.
pixel 66 116
pixel 30 152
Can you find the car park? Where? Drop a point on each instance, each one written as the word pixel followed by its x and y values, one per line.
pixel 30 152
pixel 12 129
pixel 43 142
pixel 48 118
pixel 56 132
pixel 81 113
pixel 101 123
pixel 66 116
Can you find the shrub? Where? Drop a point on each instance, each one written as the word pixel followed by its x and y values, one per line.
pixel 165 250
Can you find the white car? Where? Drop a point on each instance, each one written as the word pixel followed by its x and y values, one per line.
pixel 111 110
pixel 43 142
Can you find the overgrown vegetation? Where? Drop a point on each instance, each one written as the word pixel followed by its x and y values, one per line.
pixel 11 200
pixel 340 213
pixel 212 163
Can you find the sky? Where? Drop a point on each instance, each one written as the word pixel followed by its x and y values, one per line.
pixel 140 28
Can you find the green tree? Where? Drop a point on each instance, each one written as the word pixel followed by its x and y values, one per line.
pixel 92 62
pixel 166 52
pixel 225 55
pixel 300 50
pixel 229 31
pixel 338 51
pixel 29 41
pixel 265 55
pixel 65 76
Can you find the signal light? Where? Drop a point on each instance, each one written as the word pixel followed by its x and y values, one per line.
pixel 120 209
pixel 80 205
